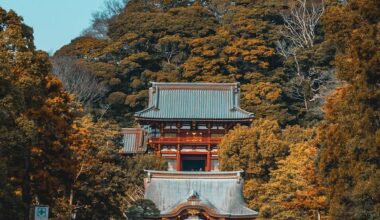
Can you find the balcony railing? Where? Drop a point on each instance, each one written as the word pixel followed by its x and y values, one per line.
pixel 190 140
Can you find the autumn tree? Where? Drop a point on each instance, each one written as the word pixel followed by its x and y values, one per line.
pixel 349 135
pixel 209 41
pixel 35 120
pixel 104 182
pixel 281 179
pixel 255 150
pixel 294 190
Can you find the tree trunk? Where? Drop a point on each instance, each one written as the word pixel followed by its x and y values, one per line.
pixel 306 105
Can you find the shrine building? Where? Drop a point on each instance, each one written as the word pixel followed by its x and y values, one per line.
pixel 198 195
pixel 184 123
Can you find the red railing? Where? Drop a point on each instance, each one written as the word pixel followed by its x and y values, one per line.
pixel 184 140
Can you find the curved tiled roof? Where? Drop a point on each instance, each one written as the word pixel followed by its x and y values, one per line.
pixel 219 193
pixel 192 101
pixel 134 140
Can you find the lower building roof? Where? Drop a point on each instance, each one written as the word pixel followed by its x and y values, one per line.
pixel 219 193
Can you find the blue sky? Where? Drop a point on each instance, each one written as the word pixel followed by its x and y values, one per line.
pixel 55 22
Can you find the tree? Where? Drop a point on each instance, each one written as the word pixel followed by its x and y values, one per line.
pixel 349 134
pixel 294 190
pixel 104 183
pixel 142 209
pixel 309 76
pixel 78 81
pixel 264 99
pixel 35 120
pixel 281 180
pixel 100 19
pixel 300 24
pixel 254 150
pixel 184 41
pixel 10 200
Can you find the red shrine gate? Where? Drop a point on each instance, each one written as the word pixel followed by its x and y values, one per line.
pixel 186 122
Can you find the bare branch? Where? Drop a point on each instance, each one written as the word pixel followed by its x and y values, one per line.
pixel 219 8
pixel 78 80
pixel 300 23
pixel 100 19
pixel 313 86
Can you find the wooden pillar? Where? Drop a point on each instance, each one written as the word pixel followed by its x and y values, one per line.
pixel 158 150
pixel 178 158
pixel 178 125
pixel 208 162
pixel 162 130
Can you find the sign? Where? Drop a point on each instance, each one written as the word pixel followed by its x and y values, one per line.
pixel 41 212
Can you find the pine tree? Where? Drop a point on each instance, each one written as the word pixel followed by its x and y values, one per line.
pixel 349 135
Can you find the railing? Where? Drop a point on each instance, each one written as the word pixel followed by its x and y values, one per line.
pixel 178 140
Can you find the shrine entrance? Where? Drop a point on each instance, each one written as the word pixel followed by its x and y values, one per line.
pixel 193 162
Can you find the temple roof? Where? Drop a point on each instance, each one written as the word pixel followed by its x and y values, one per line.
pixel 219 193
pixel 134 140
pixel 194 101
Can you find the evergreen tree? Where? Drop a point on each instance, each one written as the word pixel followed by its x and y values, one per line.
pixel 349 135
pixel 34 120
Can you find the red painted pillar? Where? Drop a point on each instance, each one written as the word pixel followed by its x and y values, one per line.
pixel 158 150
pixel 208 163
pixel 178 158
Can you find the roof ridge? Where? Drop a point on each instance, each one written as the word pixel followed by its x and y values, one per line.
pixel 144 110
pixel 193 83
pixel 198 85
pixel 232 175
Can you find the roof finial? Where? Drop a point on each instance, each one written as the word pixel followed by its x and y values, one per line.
pixel 193 195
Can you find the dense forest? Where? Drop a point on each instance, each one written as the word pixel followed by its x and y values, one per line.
pixel 308 69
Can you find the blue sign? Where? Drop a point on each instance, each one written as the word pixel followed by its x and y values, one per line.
pixel 41 213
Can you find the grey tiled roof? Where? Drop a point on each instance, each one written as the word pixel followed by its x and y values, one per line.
pixel 134 140
pixel 174 101
pixel 221 192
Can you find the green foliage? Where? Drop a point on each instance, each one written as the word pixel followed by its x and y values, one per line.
pixel 142 209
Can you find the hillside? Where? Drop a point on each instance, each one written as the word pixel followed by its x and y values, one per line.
pixel 214 41
pixel 308 70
